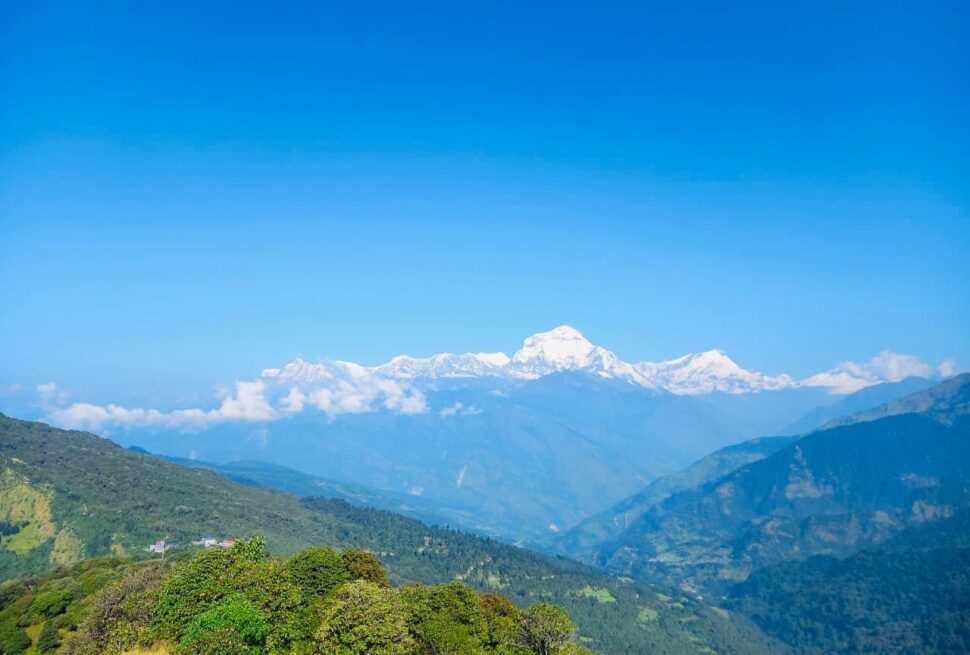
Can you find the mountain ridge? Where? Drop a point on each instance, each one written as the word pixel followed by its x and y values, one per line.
pixel 565 348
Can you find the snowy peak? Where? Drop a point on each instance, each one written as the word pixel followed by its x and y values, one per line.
pixel 302 371
pixel 566 349
pixel 707 372
pixel 446 365
pixel 561 349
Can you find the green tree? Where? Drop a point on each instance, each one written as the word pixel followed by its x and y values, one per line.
pixel 445 618
pixel 501 618
pixel 546 629
pixel 49 638
pixel 364 565
pixel 13 640
pixel 51 603
pixel 317 570
pixel 231 627
pixel 364 619
pixel 253 550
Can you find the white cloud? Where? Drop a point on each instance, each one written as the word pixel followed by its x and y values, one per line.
pixel 888 366
pixel 51 394
pixel 894 367
pixel 248 404
pixel 948 368
pixel 334 388
pixel 460 409
pixel 450 411
pixel 292 403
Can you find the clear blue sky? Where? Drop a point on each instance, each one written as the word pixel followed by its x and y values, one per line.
pixel 189 193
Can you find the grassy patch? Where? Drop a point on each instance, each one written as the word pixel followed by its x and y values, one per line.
pixel 647 615
pixel 601 594
pixel 29 537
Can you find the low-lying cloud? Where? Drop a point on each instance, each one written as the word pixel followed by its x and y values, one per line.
pixel 263 400
pixel 248 403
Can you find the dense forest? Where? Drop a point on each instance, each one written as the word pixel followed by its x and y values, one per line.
pixel 239 601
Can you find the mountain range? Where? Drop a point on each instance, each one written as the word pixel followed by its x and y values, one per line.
pixel 565 349
pixel 521 447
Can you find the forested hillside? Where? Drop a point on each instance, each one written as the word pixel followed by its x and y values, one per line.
pixel 238 601
pixel 586 539
pixel 833 492
pixel 82 496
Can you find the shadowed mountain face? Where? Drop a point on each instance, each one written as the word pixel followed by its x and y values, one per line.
pixel 911 594
pixel 832 492
pixel 585 540
pixel 522 460
pixel 67 495
pixel 519 459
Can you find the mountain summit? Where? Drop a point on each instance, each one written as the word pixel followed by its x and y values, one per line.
pixel 566 349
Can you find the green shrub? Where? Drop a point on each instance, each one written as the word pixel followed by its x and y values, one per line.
pixel 364 618
pixel 13 640
pixel 231 627
pixel 364 565
pixel 50 603
pixel 546 629
pixel 317 570
pixel 49 638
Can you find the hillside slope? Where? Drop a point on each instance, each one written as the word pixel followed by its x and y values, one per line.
pixel 82 496
pixel 832 492
pixel 860 401
pixel 584 540
pixel 948 398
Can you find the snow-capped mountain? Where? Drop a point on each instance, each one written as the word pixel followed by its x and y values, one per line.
pixel 565 349
pixel 707 372
pixel 446 365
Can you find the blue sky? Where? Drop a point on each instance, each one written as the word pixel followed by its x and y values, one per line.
pixel 190 193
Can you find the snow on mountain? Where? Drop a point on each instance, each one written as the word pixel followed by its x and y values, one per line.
pixel 446 365
pixel 707 372
pixel 887 366
pixel 302 371
pixel 565 349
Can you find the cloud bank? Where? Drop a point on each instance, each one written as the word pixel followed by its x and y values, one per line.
pixel 247 404
pixel 343 389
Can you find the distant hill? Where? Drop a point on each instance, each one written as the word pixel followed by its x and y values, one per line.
pixel 833 492
pixel 584 540
pixel 944 400
pixel 298 483
pixel 68 495
pixel 859 401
